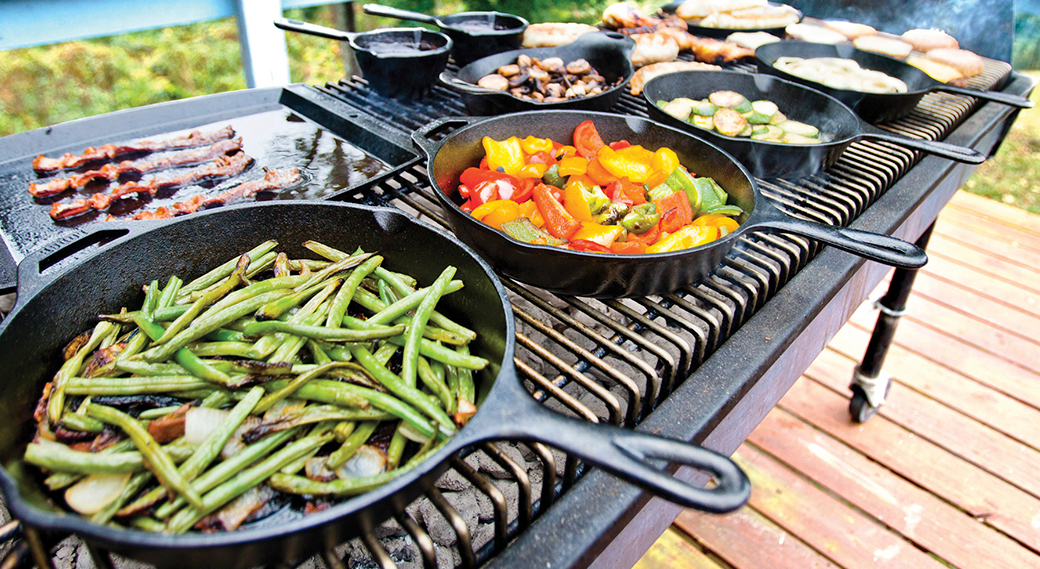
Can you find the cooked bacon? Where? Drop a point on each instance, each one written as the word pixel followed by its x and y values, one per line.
pixel 624 15
pixel 109 151
pixel 222 167
pixel 113 171
pixel 705 50
pixel 272 180
pixel 169 428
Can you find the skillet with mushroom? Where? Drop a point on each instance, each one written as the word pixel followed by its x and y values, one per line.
pixel 548 80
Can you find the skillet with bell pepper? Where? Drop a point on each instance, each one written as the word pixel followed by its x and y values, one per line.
pixel 593 196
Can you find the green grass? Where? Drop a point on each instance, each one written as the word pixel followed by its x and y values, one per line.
pixel 1013 175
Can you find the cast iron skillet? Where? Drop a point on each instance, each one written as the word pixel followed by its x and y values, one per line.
pixel 470 44
pixel 52 308
pixel 723 33
pixel 873 107
pixel 602 275
pixel 407 74
pixel 610 53
pixel 838 125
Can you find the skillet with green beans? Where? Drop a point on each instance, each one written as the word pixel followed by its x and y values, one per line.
pixel 731 114
pixel 266 380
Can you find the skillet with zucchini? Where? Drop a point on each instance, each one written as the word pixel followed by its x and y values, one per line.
pixel 731 114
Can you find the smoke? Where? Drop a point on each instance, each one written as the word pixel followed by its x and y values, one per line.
pixel 983 26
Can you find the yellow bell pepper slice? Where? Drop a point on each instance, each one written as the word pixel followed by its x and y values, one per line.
pixel 497 212
pixel 507 154
pixel 602 234
pixel 574 165
pixel 532 145
pixel 529 209
pixel 664 160
pixel 725 223
pixel 686 237
pixel 574 200
pixel 532 170
pixel 632 162
pixel 565 152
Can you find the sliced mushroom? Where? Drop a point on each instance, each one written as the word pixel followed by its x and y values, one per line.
pixel 578 67
pixel 554 64
pixel 554 90
pixel 523 60
pixel 519 79
pixel 509 70
pixel 494 81
pixel 539 74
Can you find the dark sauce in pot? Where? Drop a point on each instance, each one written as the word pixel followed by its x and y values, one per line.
pixel 398 49
pixel 478 26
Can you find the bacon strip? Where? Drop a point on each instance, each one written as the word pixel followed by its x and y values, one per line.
pixel 109 151
pixel 272 180
pixel 113 171
pixel 222 167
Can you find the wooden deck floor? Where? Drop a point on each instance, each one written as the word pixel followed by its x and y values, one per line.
pixel 948 473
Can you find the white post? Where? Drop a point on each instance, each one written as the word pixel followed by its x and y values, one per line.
pixel 264 54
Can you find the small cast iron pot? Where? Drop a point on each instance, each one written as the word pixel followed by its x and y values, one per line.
pixel 56 304
pixel 495 31
pixel 873 107
pixel 839 126
pixel 606 275
pixel 610 53
pixel 407 72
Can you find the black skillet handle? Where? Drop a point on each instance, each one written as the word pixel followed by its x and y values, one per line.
pixel 876 247
pixel 449 80
pixel 1016 101
pixel 313 29
pixel 34 270
pixel 391 12
pixel 951 151
pixel 421 137
pixel 628 455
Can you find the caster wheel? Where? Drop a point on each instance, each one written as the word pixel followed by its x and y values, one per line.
pixel 859 406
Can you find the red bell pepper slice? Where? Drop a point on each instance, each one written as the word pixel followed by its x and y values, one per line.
pixel 542 158
pixel 488 185
pixel 558 221
pixel 484 164
pixel 629 247
pixel 586 245
pixel 675 211
pixel 467 206
pixel 619 145
pixel 587 140
pixel 616 193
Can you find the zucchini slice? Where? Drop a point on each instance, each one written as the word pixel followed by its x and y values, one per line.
pixel 679 108
pixel 767 108
pixel 729 122
pixel 800 128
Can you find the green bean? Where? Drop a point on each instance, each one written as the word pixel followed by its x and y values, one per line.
pixel 402 390
pixel 385 353
pixel 467 390
pixel 204 325
pixel 275 309
pixel 445 355
pixel 281 265
pixel 346 292
pixel 233 349
pixel 182 321
pixel 317 354
pixel 199 368
pixel 151 414
pixel 336 267
pixel 133 486
pixel 390 312
pixel 300 463
pixel 435 384
pixel 262 287
pixel 151 297
pixel 225 269
pixel 294 385
pixel 159 461
pixel 292 344
pixel 140 367
pixel 372 302
pixel 159 315
pixel 146 523
pixel 215 400
pixel 385 293
pixel 169 293
pixel 270 343
pixel 343 430
pixel 225 335
pixel 249 478
pixel 396 448
pixel 323 332
pixel 80 423
pixel 431 333
pixel 60 458
pixel 350 446
pixel 434 292
pixel 133 385
pixel 230 467
pixel 59 385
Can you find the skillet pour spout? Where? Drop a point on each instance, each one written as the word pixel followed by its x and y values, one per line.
pixel 58 298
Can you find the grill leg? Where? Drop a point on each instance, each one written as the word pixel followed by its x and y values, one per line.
pixel 870 382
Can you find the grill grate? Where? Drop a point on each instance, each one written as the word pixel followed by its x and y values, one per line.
pixel 602 360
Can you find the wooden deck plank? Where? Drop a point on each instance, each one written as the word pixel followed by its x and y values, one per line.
pixel 985 367
pixel 986 405
pixel 958 434
pixel 996 212
pixel 996 313
pixel 839 532
pixel 1000 267
pixel 676 549
pixel 950 477
pixel 976 283
pixel 745 538
pixel 916 514
pixel 964 220
pixel 998 246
